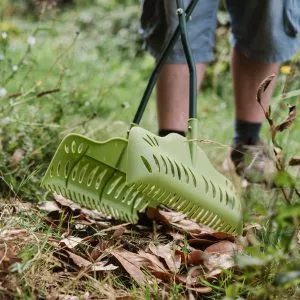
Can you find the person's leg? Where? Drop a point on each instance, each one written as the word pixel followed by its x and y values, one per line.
pixel 261 39
pixel 264 33
pixel 247 75
pixel 173 84
pixel 173 96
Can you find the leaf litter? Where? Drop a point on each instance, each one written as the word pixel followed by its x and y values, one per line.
pixel 164 247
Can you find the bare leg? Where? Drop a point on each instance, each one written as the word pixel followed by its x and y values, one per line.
pixel 173 95
pixel 247 75
pixel 247 151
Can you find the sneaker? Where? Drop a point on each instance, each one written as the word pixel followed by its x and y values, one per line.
pixel 254 163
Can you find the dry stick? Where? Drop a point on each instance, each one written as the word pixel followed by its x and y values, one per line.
pixel 4 254
pixel 41 94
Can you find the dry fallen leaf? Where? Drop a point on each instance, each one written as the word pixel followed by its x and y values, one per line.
pixel 93 214
pixel 66 202
pixel 154 214
pixel 263 87
pixel 11 242
pixel 8 256
pixel 99 249
pixel 78 260
pixel 70 242
pixel 83 263
pixel 12 234
pixel 179 221
pixel 249 226
pixel 288 121
pixel 223 247
pixel 49 206
pixel 195 257
pixel 219 256
pixel 154 263
pixel 82 217
pixel 103 266
pixel 218 262
pixel 118 232
pixel 132 263
pixel 172 259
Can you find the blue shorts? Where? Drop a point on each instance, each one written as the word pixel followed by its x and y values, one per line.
pixel 263 30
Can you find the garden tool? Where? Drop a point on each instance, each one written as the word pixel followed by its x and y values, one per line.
pixel 122 177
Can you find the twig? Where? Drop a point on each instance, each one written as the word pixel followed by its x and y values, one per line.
pixel 41 94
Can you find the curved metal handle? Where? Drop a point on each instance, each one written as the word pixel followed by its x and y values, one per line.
pixel 189 58
pixel 154 75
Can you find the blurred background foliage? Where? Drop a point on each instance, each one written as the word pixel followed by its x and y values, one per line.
pixel 74 65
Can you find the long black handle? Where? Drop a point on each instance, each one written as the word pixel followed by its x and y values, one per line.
pixel 190 60
pixel 153 78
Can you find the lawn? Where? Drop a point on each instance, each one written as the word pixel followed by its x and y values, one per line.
pixel 82 68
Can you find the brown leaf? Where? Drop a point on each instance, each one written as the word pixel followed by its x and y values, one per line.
pixel 177 236
pixel 82 217
pixel 204 239
pixel 223 247
pixel 219 256
pixel 154 214
pixel 154 263
pixel 49 206
pixel 99 249
pixel 62 201
pixel 8 256
pixel 200 243
pixel 172 260
pixel 172 216
pixel 83 213
pixel 118 232
pixel 263 87
pixel 191 227
pixel 218 262
pixel 255 226
pixel 295 161
pixel 195 257
pixel 219 235
pixel 163 276
pixel 12 234
pixel 288 121
pixel 89 266
pixel 70 242
pixel 132 263
pixel 102 266
pixel 94 214
pixel 78 260
pixel 178 220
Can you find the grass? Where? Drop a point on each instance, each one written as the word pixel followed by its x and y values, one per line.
pixel 82 69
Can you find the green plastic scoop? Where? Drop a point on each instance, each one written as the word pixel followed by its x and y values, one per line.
pixel 121 177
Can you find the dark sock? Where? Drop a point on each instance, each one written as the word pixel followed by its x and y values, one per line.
pixel 246 132
pixel 164 132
